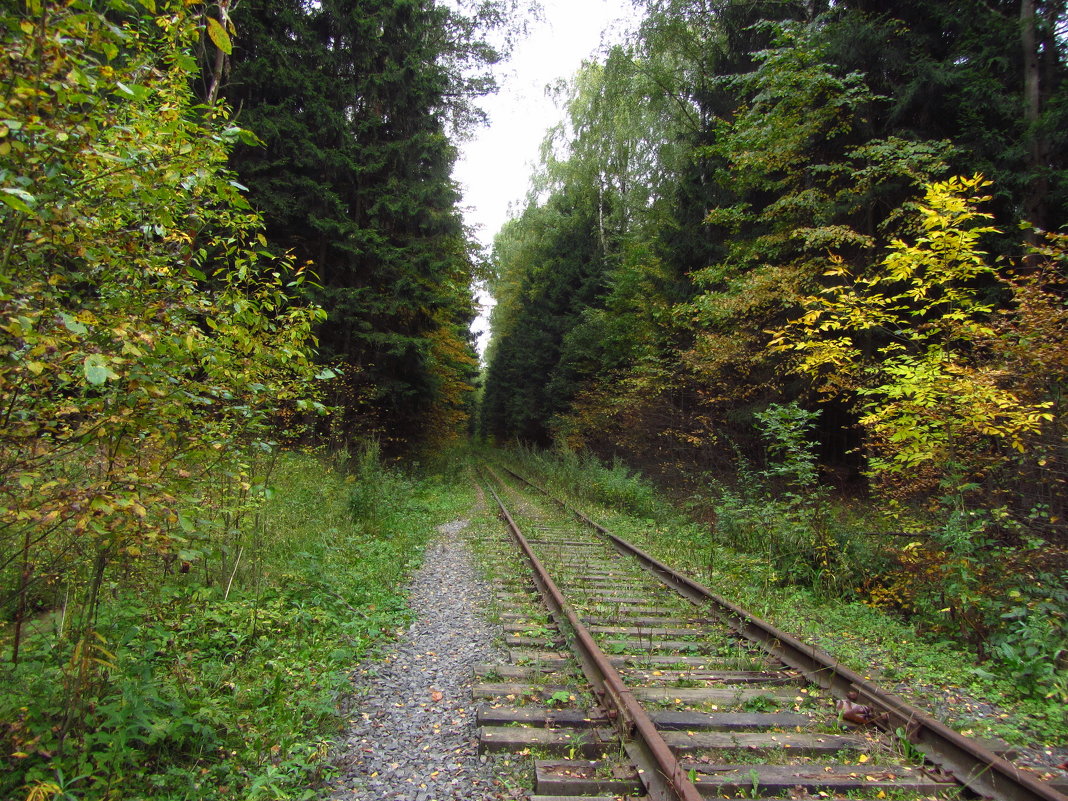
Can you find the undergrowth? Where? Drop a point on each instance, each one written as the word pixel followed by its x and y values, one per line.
pixel 613 485
pixel 200 689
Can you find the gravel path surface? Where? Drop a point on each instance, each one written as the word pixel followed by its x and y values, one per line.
pixel 412 731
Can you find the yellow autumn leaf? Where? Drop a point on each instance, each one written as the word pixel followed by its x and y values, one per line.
pixel 218 35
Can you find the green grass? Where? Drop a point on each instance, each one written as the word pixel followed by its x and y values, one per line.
pixel 613 485
pixel 196 690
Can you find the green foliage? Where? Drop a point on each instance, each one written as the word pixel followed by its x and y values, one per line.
pixel 147 333
pixel 614 486
pixel 152 353
pixel 957 72
pixel 580 297
pixel 760 703
pixel 197 692
pixel 378 493
pixel 788 431
pixel 811 553
pixel 560 697
pixel 781 515
pixel 777 133
pixel 354 101
pixel 728 146
pixel 801 172
pixel 1001 600
pixel 551 268
pixel 1031 637
pixel 915 654
pixel 757 133
pixel 930 399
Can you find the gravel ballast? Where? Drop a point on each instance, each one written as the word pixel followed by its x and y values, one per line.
pixel 412 732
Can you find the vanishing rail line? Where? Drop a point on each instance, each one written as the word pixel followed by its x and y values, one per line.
pixel 650 684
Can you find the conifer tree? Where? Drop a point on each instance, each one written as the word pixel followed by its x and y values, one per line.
pixel 355 101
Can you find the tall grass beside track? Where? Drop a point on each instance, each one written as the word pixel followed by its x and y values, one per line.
pixel 207 689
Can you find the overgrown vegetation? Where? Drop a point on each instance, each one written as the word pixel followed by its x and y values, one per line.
pixel 963 435
pixel 149 347
pixel 613 485
pixel 200 685
pixel 785 254
pixel 759 552
pixel 946 399
pixel 179 600
pixel 749 204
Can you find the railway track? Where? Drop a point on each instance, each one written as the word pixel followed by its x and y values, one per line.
pixel 625 679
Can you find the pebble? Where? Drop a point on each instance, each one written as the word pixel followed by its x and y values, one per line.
pixel 412 732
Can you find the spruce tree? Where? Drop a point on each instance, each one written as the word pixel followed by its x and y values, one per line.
pixel 354 101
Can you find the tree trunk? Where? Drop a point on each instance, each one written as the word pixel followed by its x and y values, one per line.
pixel 24 583
pixel 218 69
pixel 1034 202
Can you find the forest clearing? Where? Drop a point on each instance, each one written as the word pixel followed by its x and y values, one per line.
pixel 784 307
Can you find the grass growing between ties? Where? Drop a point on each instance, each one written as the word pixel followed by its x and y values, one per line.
pixel 747 558
pixel 202 683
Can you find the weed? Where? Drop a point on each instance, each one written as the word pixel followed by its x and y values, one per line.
pixel 613 485
pixel 868 639
pixel 754 786
pixel 908 750
pixel 560 697
pixel 760 703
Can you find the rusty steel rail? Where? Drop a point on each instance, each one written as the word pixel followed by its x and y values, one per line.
pixel 970 763
pixel 659 770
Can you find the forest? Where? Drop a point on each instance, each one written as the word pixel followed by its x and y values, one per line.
pixel 803 263
pixel 851 206
pixel 229 244
pixel 800 264
pixel 831 233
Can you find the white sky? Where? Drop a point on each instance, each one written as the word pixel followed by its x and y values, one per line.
pixel 495 165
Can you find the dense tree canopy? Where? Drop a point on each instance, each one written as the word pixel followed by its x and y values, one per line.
pixel 755 156
pixel 355 102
